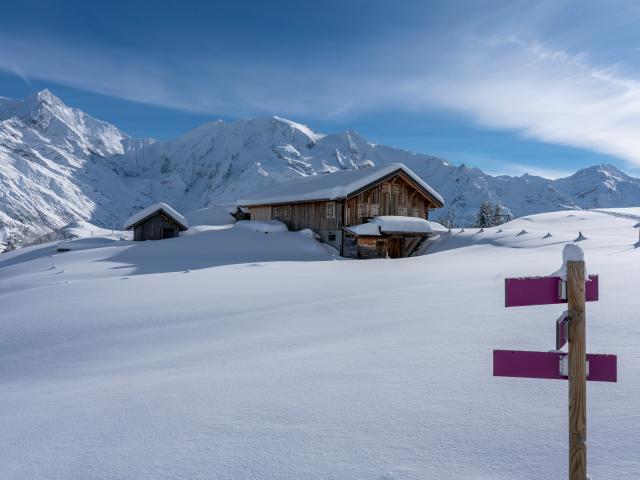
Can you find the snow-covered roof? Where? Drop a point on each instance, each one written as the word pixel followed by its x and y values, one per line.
pixel 330 186
pixel 152 209
pixel 395 224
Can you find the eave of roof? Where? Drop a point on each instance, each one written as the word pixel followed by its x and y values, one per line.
pixel 181 226
pixel 275 195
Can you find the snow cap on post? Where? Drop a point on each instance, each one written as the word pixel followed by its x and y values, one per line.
pixel 572 252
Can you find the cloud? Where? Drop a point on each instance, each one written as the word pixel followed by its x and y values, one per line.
pixel 479 68
pixel 543 93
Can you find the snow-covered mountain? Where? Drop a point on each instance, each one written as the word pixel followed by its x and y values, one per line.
pixel 59 165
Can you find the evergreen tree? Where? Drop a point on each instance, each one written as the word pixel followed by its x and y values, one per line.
pixel 499 215
pixel 485 215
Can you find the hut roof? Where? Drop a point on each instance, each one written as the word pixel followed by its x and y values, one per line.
pixel 396 224
pixel 145 213
pixel 333 186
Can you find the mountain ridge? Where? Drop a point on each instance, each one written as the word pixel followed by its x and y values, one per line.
pixel 59 165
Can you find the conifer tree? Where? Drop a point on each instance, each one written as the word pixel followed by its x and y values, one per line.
pixel 485 215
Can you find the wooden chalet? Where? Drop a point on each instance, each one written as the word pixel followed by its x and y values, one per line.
pixel 156 222
pixel 332 204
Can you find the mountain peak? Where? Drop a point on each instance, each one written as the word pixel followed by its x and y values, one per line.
pixel 605 169
pixel 300 127
pixel 44 97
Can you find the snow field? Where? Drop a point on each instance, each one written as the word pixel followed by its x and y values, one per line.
pixel 233 354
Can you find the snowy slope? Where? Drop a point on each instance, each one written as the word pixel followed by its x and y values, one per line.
pixel 59 165
pixel 233 355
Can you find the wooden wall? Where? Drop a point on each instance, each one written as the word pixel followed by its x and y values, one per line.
pixel 313 215
pixel 394 246
pixel 154 227
pixel 395 196
pixel 261 213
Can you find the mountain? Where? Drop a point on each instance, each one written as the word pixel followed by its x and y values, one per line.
pixel 60 166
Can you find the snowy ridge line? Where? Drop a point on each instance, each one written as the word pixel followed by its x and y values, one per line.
pixel 613 213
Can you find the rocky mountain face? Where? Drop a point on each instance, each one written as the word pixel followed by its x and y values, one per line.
pixel 59 165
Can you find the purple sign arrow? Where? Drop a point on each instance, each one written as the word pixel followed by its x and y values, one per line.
pixel 521 292
pixel 517 363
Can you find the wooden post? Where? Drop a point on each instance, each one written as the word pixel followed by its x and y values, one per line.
pixel 577 371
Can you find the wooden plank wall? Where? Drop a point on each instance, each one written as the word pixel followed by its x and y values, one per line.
pixel 261 213
pixel 395 196
pixel 313 215
pixel 153 228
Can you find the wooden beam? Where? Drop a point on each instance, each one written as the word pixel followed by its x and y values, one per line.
pixel 577 371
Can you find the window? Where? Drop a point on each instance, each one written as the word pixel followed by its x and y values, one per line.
pixel 362 210
pixel 402 211
pixel 375 209
pixel 331 209
pixel 331 237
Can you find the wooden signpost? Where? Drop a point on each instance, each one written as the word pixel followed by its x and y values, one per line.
pixel 575 365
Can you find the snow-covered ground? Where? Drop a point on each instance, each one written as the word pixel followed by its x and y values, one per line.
pixel 235 354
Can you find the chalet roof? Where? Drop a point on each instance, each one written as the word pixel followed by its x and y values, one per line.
pixel 145 213
pixel 332 186
pixel 395 224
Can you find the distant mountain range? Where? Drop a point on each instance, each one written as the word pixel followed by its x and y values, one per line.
pixel 59 166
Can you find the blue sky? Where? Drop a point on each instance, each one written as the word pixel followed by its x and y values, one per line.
pixel 510 87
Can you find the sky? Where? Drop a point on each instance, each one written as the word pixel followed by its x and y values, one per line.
pixel 512 87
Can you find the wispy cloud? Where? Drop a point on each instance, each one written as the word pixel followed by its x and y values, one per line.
pixel 543 93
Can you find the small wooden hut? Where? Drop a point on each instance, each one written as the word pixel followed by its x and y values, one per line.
pixel 156 222
pixel 331 204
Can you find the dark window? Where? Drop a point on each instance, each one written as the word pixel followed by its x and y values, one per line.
pixel 331 210
pixel 167 233
pixel 332 237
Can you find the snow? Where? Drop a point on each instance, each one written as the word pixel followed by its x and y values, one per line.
pixel 234 354
pixel 329 186
pixel 262 226
pixel 390 224
pixel 156 207
pixel 571 252
pixel 303 128
pixel 214 215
